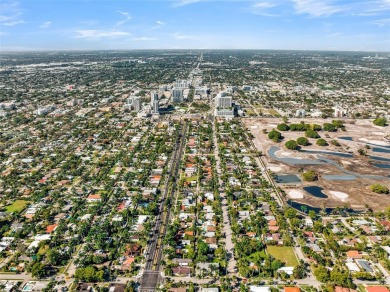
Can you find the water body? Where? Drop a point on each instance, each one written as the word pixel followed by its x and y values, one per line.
pixel 380 150
pixel 385 166
pixel 345 138
pixel 291 161
pixel 382 146
pixel 321 160
pixel 287 178
pixel 347 155
pixel 339 177
pixel 380 158
pixel 306 208
pixel 315 191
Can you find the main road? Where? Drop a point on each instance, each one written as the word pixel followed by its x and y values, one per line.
pixel 151 275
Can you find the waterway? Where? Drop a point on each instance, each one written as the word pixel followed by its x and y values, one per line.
pixel 315 191
pixel 287 178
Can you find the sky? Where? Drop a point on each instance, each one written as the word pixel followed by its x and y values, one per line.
pixel 347 25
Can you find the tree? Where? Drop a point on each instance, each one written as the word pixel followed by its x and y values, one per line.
pixel 382 122
pixel 312 214
pixel 303 141
pixel 321 142
pixel 292 145
pixel 329 127
pixel 322 274
pixel 38 270
pixel 312 134
pixel 54 256
pixel 379 189
pixel 310 175
pixel 283 127
pixel 275 136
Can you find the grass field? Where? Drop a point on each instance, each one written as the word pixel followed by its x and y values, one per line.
pixel 17 206
pixel 283 253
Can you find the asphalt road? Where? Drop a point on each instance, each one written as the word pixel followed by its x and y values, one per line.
pixel 151 275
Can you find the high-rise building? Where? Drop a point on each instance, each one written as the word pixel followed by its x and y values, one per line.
pixel 133 103
pixel 223 101
pixel 155 107
pixel 182 84
pixel 177 95
pixel 153 97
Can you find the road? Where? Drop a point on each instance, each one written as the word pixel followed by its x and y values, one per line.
pixel 227 230
pixel 151 274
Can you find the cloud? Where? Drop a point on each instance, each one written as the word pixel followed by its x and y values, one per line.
pixel 382 22
pixel 315 8
pixel 46 24
pixel 180 36
pixel 13 23
pixel 158 25
pixel 261 8
pixel 96 34
pixel 144 39
pixel 10 14
pixel 126 19
pixel 264 5
pixel 180 3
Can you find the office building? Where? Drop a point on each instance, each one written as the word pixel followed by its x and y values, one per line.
pixel 223 101
pixel 133 103
pixel 181 84
pixel 177 95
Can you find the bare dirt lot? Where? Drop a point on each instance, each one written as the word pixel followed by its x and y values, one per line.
pixel 345 179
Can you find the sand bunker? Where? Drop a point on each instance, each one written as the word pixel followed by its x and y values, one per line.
pixel 295 194
pixel 378 133
pixel 274 168
pixel 376 142
pixel 339 195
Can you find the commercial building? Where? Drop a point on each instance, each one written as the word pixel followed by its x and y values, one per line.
pixel 177 95
pixel 133 103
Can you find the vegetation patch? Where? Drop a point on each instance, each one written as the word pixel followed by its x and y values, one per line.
pixel 17 207
pixel 283 253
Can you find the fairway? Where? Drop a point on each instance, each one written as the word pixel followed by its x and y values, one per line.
pixel 17 206
pixel 283 253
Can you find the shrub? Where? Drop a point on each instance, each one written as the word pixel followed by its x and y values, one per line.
pixel 303 141
pixel 312 134
pixel 299 127
pixel 321 142
pixel 275 136
pixel 335 143
pixel 329 127
pixel 379 189
pixel 380 122
pixel 315 127
pixel 283 127
pixel 292 145
pixel 310 175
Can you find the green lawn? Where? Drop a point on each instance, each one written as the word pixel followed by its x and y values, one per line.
pixel 17 206
pixel 283 253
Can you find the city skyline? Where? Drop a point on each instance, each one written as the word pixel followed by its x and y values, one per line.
pixel 195 24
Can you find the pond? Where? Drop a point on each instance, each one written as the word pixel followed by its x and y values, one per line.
pixel 306 208
pixel 315 191
pixel 385 166
pixel 321 160
pixel 288 160
pixel 380 150
pixel 328 153
pixel 338 177
pixel 287 178
pixel 380 158
pixel 346 138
